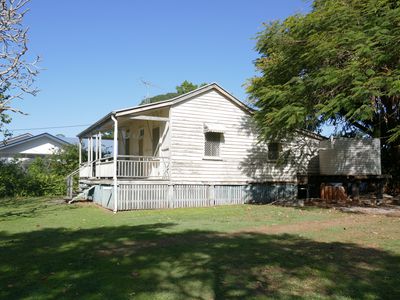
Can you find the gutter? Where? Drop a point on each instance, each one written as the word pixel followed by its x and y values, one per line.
pixel 92 127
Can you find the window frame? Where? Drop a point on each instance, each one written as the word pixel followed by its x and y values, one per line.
pixel 141 133
pixel 277 152
pixel 213 157
pixel 154 143
pixel 141 141
pixel 127 143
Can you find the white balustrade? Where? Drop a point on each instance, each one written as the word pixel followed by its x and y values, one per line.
pixel 128 166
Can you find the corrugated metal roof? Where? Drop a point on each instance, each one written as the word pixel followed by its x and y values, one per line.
pixel 23 138
pixel 15 139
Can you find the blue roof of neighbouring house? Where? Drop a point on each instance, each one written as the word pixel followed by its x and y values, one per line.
pixel 19 139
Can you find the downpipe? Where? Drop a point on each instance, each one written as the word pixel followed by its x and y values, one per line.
pixel 115 154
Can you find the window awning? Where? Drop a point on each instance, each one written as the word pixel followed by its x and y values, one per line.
pixel 214 127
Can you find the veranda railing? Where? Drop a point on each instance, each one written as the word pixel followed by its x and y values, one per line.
pixel 128 166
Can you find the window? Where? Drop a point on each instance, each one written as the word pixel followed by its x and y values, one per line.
pixel 140 142
pixel 141 133
pixel 212 143
pixel 156 139
pixel 274 150
pixel 127 143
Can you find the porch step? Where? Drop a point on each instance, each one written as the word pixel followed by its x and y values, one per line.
pixel 83 195
pixel 80 190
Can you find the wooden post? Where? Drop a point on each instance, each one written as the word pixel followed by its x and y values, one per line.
pixel 88 150
pixel 115 154
pixel 322 191
pixel 355 190
pixel 80 151
pixel 97 147
pixel 379 191
pixel 91 149
pixel 100 146
pixel 91 156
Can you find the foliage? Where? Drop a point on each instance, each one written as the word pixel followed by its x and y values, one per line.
pixel 11 179
pixel 339 64
pixel 53 251
pixel 183 88
pixel 65 160
pixel 187 87
pixel 44 176
pixel 159 98
pixel 41 179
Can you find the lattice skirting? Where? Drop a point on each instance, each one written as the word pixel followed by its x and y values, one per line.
pixel 157 196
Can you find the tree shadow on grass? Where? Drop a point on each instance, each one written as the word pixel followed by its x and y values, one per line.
pixel 13 208
pixel 28 207
pixel 152 262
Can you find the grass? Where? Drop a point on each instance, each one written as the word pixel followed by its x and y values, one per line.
pixel 50 250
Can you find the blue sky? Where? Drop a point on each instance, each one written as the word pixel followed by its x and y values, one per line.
pixel 94 53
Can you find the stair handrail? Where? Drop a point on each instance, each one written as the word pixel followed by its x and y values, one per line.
pixel 70 183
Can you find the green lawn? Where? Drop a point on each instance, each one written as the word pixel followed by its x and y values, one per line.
pixel 50 250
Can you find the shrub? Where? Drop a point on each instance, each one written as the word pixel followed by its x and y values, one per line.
pixel 11 178
pixel 42 177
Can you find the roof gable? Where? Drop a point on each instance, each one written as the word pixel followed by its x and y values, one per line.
pixel 16 139
pixel 220 90
pixel 17 142
pixel 166 103
pixel 185 97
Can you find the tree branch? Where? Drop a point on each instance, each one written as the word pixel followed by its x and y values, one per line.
pixel 17 75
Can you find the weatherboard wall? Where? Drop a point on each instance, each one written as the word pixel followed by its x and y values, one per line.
pixel 350 157
pixel 242 158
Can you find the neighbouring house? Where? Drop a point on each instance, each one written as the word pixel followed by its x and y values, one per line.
pixel 198 149
pixel 349 167
pixel 26 147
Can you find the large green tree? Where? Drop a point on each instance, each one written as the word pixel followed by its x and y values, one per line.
pixel 181 89
pixel 338 64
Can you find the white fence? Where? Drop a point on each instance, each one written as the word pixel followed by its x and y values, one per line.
pixel 157 196
pixel 192 195
pixel 142 196
pixel 231 194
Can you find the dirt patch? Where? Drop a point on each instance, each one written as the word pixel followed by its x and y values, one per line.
pixel 388 206
pixel 392 211
pixel 364 201
pixel 57 201
pixel 307 226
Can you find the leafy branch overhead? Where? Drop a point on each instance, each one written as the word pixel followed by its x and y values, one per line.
pixel 17 74
pixel 339 64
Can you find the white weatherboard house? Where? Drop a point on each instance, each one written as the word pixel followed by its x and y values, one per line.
pixel 197 149
pixel 26 147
